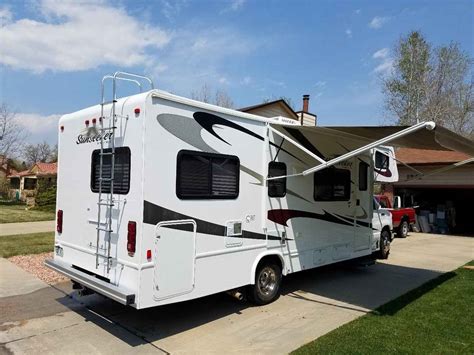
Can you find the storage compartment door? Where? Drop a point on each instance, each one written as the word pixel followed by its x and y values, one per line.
pixel 174 258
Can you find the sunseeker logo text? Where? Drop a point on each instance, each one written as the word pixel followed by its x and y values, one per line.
pixel 84 138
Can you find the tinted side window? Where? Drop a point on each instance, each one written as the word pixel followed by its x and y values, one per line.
pixel 121 170
pixel 207 176
pixel 276 188
pixel 363 176
pixel 332 184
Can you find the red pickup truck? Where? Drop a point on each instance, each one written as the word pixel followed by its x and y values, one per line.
pixel 402 217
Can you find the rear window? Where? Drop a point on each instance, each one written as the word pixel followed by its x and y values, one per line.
pixel 121 170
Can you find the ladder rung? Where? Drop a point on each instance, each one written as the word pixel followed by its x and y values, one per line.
pixel 108 128
pixel 104 230
pixel 109 102
pixel 105 204
pixel 107 153
pixel 106 179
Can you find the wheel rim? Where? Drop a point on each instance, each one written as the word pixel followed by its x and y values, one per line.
pixel 405 228
pixel 385 244
pixel 267 281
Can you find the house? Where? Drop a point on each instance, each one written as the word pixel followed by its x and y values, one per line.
pixel 281 108
pixel 439 189
pixel 24 184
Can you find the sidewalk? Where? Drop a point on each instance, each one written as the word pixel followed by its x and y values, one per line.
pixel 26 227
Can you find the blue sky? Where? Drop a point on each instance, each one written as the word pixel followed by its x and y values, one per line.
pixel 54 53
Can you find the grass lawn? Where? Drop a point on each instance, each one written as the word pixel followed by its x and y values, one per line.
pixel 23 244
pixel 435 318
pixel 17 213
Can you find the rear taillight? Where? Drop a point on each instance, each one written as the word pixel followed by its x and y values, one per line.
pixel 59 221
pixel 131 237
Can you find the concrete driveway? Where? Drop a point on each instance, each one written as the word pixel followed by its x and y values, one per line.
pixel 313 303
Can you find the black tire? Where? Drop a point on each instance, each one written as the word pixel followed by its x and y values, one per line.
pixel 403 229
pixel 267 284
pixel 384 245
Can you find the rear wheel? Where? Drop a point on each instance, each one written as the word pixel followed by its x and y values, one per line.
pixel 403 229
pixel 384 243
pixel 267 284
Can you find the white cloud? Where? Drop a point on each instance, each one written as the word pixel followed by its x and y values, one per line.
pixel 246 80
pixel 378 21
pixel 348 33
pixel 78 35
pixel 381 53
pixel 39 127
pixel 197 56
pixel 35 123
pixel 171 9
pixel 320 84
pixel 5 15
pixel 237 4
pixel 385 61
pixel 223 80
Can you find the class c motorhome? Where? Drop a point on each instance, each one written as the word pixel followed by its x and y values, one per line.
pixel 162 199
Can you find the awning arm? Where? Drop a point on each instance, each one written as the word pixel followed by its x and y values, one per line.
pixel 408 166
pixel 428 125
pixel 296 144
pixel 442 170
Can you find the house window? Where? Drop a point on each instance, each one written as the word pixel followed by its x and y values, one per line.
pixel 121 170
pixel 363 176
pixel 29 184
pixel 332 184
pixel 207 176
pixel 15 183
pixel 276 188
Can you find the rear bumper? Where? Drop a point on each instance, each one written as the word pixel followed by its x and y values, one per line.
pixel 99 286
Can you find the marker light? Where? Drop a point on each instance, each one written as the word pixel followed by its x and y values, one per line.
pixel 148 254
pixel 137 111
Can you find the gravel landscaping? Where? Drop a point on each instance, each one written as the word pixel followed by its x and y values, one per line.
pixel 34 264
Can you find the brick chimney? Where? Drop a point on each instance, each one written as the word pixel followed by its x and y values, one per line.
pixel 305 103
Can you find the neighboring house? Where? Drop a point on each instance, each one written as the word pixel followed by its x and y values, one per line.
pixel 5 171
pixel 281 108
pixel 24 184
pixel 451 191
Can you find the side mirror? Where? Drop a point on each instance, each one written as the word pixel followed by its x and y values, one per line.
pixel 397 202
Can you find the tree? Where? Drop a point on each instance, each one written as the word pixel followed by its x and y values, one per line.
pixel 406 89
pixel 431 85
pixel 219 97
pixel 34 153
pixel 12 134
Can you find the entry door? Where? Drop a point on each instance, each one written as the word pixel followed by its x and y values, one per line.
pixel 175 245
pixel 363 204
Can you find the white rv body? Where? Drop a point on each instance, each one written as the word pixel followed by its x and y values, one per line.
pixel 189 248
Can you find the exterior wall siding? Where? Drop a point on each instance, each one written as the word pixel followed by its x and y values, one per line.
pixel 462 176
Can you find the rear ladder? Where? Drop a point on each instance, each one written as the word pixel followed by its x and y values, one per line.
pixel 106 199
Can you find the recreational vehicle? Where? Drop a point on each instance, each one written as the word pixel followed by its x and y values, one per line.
pixel 162 199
